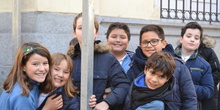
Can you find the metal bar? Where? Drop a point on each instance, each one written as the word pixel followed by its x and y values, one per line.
pixel 16 26
pixel 176 10
pixel 161 7
pixel 203 10
pixel 217 11
pixel 190 10
pixel 210 20
pixel 169 9
pixel 197 10
pixel 87 53
pixel 183 10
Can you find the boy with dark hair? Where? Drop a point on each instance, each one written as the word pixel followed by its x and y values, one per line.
pixel 154 88
pixel 200 69
pixel 152 40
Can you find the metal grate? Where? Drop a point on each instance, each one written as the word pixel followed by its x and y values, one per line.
pixel 199 10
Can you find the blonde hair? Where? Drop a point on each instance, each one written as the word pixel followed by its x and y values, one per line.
pixel 69 88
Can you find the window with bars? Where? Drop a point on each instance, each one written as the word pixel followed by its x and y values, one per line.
pixel 199 10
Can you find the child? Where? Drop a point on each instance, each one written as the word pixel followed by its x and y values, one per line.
pixel 118 37
pixel 107 69
pixel 152 40
pixel 61 69
pixel 30 68
pixel 154 86
pixel 190 39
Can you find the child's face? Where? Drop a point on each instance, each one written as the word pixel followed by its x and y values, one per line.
pixel 190 40
pixel 37 68
pixel 60 74
pixel 149 49
pixel 78 31
pixel 118 40
pixel 153 79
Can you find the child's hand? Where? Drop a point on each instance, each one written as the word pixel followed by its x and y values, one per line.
pixel 101 106
pixel 107 91
pixel 53 103
pixel 92 101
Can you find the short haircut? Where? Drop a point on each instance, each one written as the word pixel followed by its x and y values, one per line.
pixel 96 24
pixel 192 25
pixel 161 61
pixel 155 28
pixel 118 25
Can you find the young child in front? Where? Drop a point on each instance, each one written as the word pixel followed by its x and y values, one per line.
pixel 62 94
pixel 153 89
pixel 30 68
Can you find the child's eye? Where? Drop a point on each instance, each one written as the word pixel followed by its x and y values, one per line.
pixel 197 38
pixel 45 63
pixel 162 76
pixel 123 37
pixel 113 36
pixel 56 69
pixel 66 72
pixel 151 72
pixel 188 36
pixel 79 28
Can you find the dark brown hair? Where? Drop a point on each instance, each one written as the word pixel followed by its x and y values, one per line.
pixel 118 25
pixel 192 25
pixel 155 28
pixel 161 61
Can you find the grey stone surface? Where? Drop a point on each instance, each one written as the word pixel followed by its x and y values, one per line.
pixel 4 70
pixel 6 50
pixel 5 23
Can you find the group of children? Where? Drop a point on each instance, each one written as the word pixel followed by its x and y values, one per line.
pixel 155 77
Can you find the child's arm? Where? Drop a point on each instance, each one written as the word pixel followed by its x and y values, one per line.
pixel 205 88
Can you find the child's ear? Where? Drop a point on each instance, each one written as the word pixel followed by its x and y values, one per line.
pixel 73 32
pixel 164 42
pixel 181 39
pixel 145 69
pixel 23 69
pixel 168 79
